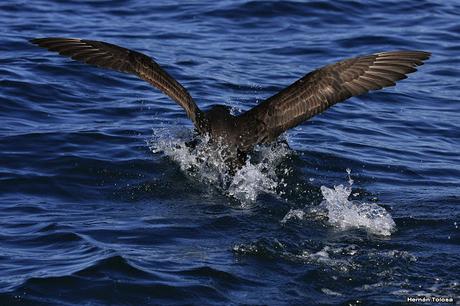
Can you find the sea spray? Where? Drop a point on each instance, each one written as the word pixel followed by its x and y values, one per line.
pixel 206 163
pixel 345 214
pixel 258 175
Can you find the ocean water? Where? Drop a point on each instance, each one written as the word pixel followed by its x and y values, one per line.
pixel 101 202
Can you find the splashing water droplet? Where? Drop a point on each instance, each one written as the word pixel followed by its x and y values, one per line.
pixel 350 181
pixel 206 163
pixel 298 214
pixel 351 214
pixel 345 214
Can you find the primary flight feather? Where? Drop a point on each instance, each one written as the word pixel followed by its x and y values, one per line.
pixel 305 98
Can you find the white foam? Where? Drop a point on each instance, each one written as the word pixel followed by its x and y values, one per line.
pixel 298 214
pixel 346 214
pixel 257 176
pixel 330 292
pixel 250 181
pixel 327 256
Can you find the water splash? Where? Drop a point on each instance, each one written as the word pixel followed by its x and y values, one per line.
pixel 206 163
pixel 345 214
pixel 298 214
pixel 258 175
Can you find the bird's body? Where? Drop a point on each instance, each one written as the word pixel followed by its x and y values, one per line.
pixel 305 98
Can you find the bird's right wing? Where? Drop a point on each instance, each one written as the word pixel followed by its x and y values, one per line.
pixel 111 56
pixel 322 88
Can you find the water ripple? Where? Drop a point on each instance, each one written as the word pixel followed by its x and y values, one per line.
pixel 89 214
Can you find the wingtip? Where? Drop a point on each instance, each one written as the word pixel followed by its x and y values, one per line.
pixel 421 56
pixel 412 57
pixel 39 41
pixel 425 55
pixel 418 54
pixel 35 41
pixel 43 41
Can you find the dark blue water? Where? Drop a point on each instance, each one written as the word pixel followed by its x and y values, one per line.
pixel 101 204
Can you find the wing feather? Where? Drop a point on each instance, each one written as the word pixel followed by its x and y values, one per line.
pixel 324 87
pixel 111 56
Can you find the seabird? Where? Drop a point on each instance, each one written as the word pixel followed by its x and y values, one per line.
pixel 310 95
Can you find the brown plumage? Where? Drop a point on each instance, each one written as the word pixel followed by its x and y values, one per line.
pixel 111 56
pixel 305 98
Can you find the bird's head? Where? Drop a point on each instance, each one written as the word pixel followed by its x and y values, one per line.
pixel 219 110
pixel 219 113
pixel 214 116
pixel 219 121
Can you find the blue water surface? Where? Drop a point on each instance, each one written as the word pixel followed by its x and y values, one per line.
pixel 92 213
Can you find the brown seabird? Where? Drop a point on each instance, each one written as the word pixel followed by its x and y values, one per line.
pixel 305 98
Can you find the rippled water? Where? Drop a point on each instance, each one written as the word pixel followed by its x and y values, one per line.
pixel 102 203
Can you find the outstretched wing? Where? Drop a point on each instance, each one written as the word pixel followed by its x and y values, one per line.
pixel 324 87
pixel 111 56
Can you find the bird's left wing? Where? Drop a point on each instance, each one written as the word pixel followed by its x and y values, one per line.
pixel 322 88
